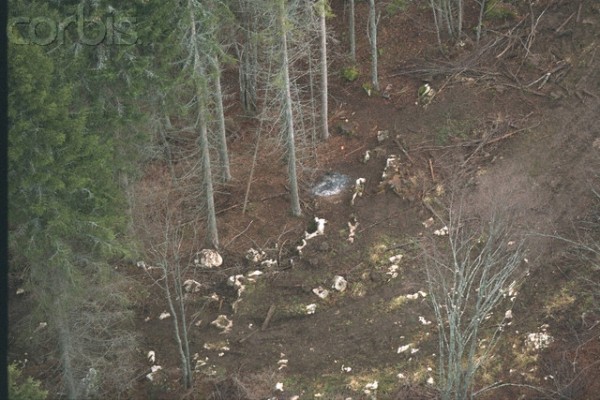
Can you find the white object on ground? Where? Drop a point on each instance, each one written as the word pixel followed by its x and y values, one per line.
pixel 192 286
pixel 208 258
pixel 164 315
pixel 321 292
pixel 320 229
pixel 441 232
pixel 224 323
pixel 339 283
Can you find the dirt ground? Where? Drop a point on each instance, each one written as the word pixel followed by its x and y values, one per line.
pixel 514 141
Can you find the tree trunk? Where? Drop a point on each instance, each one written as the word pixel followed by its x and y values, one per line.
pixel 373 40
pixel 352 33
pixel 66 352
pixel 212 236
pixel 289 117
pixel 223 153
pixel 248 57
pixel 187 376
pixel 324 106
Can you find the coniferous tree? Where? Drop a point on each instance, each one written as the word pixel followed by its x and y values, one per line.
pixel 65 210
pixel 288 123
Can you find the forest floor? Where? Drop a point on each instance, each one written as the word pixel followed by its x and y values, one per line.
pixel 518 141
pixel 537 172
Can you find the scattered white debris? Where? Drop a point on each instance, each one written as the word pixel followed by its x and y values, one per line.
pixel 141 264
pixel 425 93
pixel 383 135
pixel 366 157
pixel 311 308
pixel 346 369
pixel 208 258
pixel 254 274
pixel 392 167
pixel 321 292
pixel 339 283
pixel 538 341
pixel 359 189
pixel 151 356
pixel 320 230
pixel 198 323
pixel 192 286
pixel 224 323
pixel 371 386
pixel 20 291
pixel 416 295
pixel 146 319
pixel 441 232
pixel 217 346
pixel 401 376
pixel 279 386
pixel 423 321
pixel 428 223
pixel 393 271
pixel 255 256
pixel 430 381
pixel 235 281
pixel 402 349
pixel 352 226
pixel 508 314
pixel 164 315
pixel 270 263
pixel 154 369
pixel 283 363
pixel 396 259
pixel 413 351
pixel 301 246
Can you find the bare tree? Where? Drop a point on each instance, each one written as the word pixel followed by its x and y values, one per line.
pixel 168 257
pixel 221 134
pixel 247 53
pixel 372 31
pixel 448 14
pixel 352 32
pixel 288 114
pixel 323 10
pixel 469 272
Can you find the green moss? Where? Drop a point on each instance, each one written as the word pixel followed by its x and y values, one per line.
pixel 396 6
pixel 350 73
pixel 499 10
